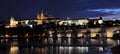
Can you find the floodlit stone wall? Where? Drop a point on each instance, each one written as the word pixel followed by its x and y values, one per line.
pixel 109 31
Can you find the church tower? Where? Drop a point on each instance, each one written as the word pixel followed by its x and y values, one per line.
pixel 41 15
pixel 13 22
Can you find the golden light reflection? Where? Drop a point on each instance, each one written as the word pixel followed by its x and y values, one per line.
pixel 6 36
pixel 26 35
pixel 83 49
pixel 13 49
pixel 27 40
pixel 70 48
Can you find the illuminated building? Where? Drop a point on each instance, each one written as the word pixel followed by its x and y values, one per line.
pixel 100 21
pixel 45 18
pixel 70 22
pixel 83 23
pixel 13 22
pixel 43 15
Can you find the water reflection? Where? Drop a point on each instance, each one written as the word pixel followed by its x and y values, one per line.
pixel 48 46
pixel 54 50
pixel 13 49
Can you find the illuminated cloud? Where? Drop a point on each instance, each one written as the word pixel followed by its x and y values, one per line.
pixel 112 11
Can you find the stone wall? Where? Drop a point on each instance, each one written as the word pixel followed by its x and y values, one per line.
pixel 108 31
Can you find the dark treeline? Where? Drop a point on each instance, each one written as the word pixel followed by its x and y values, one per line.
pixel 21 30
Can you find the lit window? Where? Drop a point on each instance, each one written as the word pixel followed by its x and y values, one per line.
pixel 100 21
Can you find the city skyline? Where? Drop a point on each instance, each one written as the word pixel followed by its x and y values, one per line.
pixel 25 9
pixel 59 26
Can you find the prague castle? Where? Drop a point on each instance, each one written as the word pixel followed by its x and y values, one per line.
pixel 40 18
pixel 45 18
pixel 43 15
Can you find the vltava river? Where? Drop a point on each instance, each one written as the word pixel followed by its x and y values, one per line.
pixel 57 46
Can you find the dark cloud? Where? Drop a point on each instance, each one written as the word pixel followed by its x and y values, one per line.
pixel 60 8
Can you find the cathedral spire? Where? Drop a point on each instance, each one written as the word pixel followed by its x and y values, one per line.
pixel 41 15
pixel 12 19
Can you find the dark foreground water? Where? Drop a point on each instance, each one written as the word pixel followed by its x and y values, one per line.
pixel 57 46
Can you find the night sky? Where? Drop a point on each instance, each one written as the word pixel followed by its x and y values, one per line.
pixel 23 9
